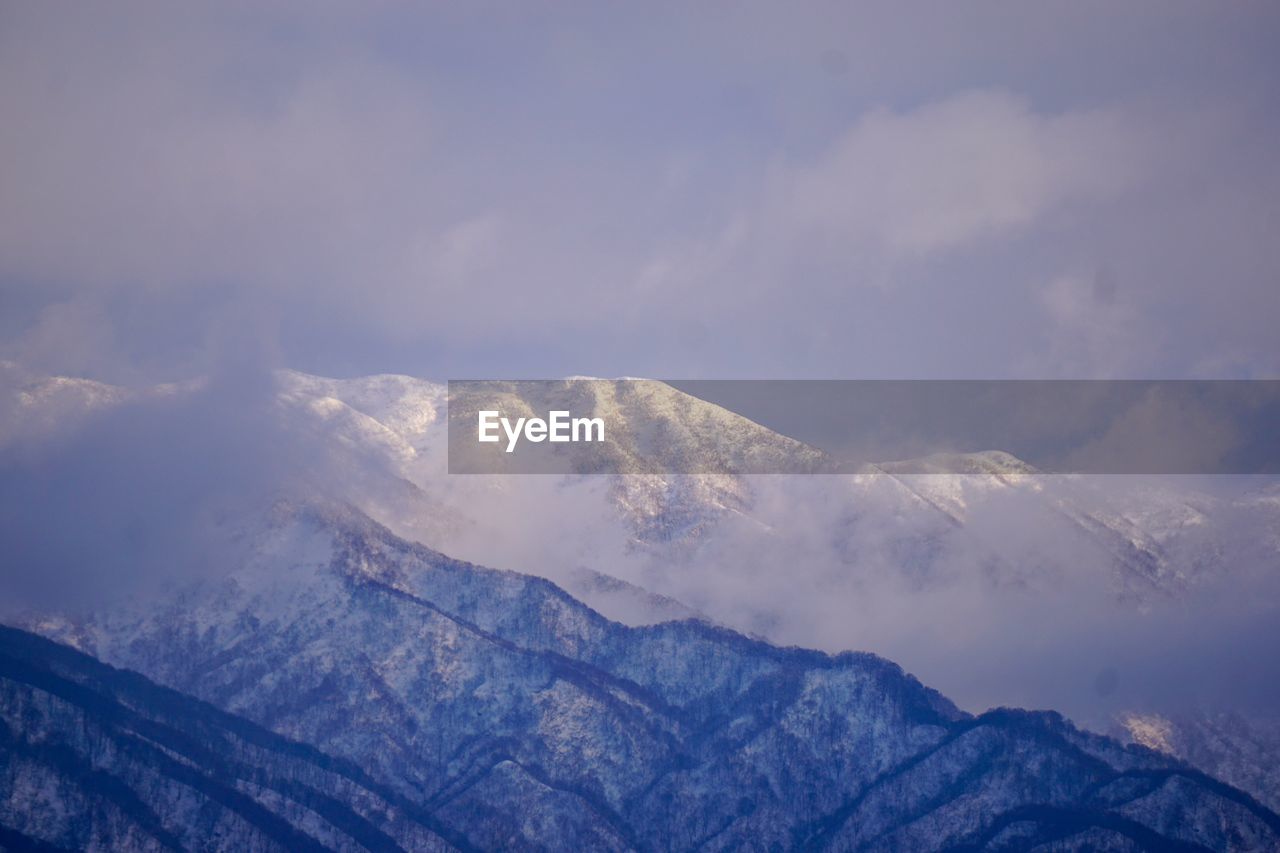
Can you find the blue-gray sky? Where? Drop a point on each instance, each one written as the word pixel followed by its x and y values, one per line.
pixel 1081 189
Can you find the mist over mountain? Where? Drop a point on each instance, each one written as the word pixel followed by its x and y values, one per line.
pixel 249 599
pixel 1132 600
pixel 415 701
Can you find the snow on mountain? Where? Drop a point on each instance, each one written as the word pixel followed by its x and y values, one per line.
pixel 1156 539
pixel 1238 749
pixel 433 701
pixel 819 560
pixel 404 407
pixel 99 758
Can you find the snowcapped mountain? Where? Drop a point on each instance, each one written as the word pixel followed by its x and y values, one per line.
pixel 660 534
pixel 345 688
pixel 1157 537
pixel 890 559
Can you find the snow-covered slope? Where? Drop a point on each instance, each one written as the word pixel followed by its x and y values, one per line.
pixel 492 710
pixel 98 758
pixel 1157 537
pixel 909 559
pixel 1239 750
pixel 658 531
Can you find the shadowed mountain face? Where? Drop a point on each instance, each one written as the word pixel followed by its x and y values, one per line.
pixel 99 757
pixel 345 688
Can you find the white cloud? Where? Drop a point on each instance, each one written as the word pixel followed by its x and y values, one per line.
pixel 975 165
pixel 148 175
pixel 1094 329
pixel 661 194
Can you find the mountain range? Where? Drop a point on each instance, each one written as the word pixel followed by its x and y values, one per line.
pixel 345 688
pixel 339 682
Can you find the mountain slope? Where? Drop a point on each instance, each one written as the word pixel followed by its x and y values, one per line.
pixel 1225 744
pixel 807 560
pixel 98 757
pixel 516 717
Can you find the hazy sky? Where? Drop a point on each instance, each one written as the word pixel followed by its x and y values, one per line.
pixel 734 190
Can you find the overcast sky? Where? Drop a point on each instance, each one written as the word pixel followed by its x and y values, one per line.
pixel 737 190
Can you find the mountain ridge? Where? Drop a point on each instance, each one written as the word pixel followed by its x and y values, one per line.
pixel 674 521
pixel 671 735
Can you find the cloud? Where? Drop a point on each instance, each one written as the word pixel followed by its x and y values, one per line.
pixel 976 165
pixel 454 192
pixel 1095 330
pixel 67 337
pixel 1016 608
pixel 1018 605
pixel 106 493
pixel 1050 189
pixel 153 167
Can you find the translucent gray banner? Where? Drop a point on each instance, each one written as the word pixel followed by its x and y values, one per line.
pixel 646 426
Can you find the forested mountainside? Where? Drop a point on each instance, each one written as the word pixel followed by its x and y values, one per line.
pixel 359 690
